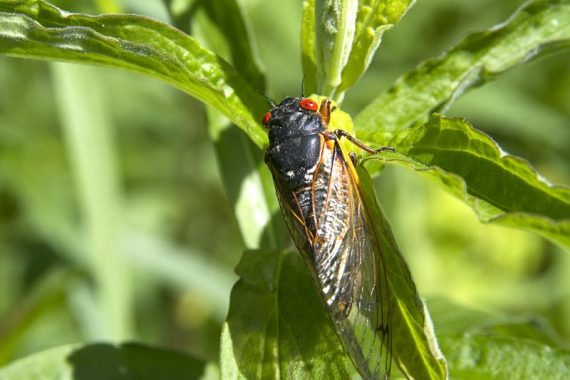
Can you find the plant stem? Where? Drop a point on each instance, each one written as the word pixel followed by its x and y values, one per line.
pixel 89 142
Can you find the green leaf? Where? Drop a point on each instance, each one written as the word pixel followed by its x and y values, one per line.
pixel 414 345
pixel 339 39
pixel 277 326
pixel 227 31
pixel 248 185
pixel 529 328
pixel 335 22
pixel 501 188
pixel 105 361
pixel 35 29
pixel 247 182
pixel 88 133
pixel 452 319
pixel 374 18
pixel 537 28
pixel 492 357
pixel 308 47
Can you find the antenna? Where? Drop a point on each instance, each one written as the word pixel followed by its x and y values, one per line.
pixel 273 105
pixel 303 86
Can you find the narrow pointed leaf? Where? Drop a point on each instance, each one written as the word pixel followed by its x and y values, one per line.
pixel 538 28
pixel 308 47
pixel 415 348
pixel 87 131
pixel 229 17
pixel 36 29
pixel 339 39
pixel 335 22
pixel 500 188
pixel 374 18
pixel 277 327
pixel 248 185
pixel 247 182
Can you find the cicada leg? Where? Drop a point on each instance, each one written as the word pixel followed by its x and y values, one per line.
pixel 355 141
pixel 353 158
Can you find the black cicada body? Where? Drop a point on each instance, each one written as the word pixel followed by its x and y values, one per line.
pixel 318 189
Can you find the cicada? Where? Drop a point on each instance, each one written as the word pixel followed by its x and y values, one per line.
pixel 318 189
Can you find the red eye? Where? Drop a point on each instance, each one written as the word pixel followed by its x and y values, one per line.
pixel 309 104
pixel 266 118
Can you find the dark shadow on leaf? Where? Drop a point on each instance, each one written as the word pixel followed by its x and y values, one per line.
pixel 278 321
pixel 132 361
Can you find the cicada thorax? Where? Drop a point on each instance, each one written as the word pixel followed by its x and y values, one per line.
pixel 297 136
pixel 295 142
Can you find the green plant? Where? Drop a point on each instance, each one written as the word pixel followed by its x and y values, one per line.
pixel 336 50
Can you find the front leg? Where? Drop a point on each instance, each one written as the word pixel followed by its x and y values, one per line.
pixel 342 133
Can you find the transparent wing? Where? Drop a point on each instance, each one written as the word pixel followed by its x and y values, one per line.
pixel 329 226
pixel 352 273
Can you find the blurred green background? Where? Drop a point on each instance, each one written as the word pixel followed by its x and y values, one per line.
pixel 108 164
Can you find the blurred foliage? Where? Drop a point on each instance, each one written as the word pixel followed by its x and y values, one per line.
pixel 171 195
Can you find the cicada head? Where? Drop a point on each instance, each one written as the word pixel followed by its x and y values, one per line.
pixel 293 117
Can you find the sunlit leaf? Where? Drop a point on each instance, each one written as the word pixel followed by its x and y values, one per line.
pixel 335 23
pixel 501 188
pixel 339 39
pixel 374 18
pixel 248 185
pixel 537 28
pixel 35 29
